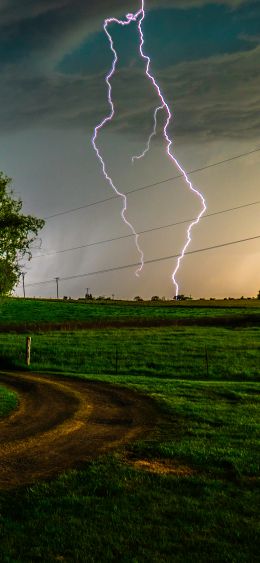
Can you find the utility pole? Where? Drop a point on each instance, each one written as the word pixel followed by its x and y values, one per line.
pixel 23 276
pixel 57 284
pixel 87 290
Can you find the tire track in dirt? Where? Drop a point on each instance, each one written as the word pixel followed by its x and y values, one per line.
pixel 61 423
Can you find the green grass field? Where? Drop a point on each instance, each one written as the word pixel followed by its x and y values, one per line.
pixel 20 311
pixel 181 352
pixel 112 511
pixel 199 500
pixel 8 401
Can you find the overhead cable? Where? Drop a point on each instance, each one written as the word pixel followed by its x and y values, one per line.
pixel 95 243
pixel 148 186
pixel 154 260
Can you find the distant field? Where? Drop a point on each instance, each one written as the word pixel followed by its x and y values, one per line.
pixel 18 312
pixel 8 401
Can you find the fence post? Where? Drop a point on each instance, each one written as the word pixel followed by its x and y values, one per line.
pixel 28 350
pixel 207 360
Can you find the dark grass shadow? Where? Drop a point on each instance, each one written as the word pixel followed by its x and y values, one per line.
pixel 7 362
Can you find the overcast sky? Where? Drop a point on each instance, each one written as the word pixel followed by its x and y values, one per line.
pixel 206 57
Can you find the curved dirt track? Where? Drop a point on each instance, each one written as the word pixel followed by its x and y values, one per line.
pixel 62 422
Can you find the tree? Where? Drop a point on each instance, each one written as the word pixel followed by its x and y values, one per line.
pixel 258 296
pixel 17 233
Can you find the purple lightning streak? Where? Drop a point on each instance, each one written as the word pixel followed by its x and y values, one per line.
pixel 130 17
pixel 164 105
pixel 148 144
pixel 140 16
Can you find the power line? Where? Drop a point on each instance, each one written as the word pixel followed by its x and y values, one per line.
pixel 134 265
pixel 194 171
pixel 80 247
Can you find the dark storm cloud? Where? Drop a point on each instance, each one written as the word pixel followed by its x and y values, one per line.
pixel 212 98
pixel 12 10
pixel 216 96
pixel 38 34
pixel 19 10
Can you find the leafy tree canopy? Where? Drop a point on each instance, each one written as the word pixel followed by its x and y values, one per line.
pixel 17 233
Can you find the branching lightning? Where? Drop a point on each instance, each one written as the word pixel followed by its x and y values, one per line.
pixel 139 17
pixel 102 124
pixel 148 144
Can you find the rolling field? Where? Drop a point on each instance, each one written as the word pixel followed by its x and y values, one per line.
pixel 34 311
pixel 186 493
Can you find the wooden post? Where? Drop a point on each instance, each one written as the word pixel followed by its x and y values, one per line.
pixel 28 350
pixel 207 360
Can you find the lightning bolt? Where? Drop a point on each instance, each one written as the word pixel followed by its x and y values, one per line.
pixel 168 144
pixel 148 144
pixel 139 17
pixel 108 119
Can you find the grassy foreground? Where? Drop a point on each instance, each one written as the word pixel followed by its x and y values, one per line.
pixel 198 501
pixel 188 494
pixel 8 401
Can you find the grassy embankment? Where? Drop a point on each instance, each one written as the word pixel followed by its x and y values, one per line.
pixel 198 500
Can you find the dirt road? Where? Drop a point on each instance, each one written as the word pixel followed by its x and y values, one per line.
pixel 62 422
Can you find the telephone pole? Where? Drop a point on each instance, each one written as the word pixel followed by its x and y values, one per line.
pixel 57 286
pixel 23 276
